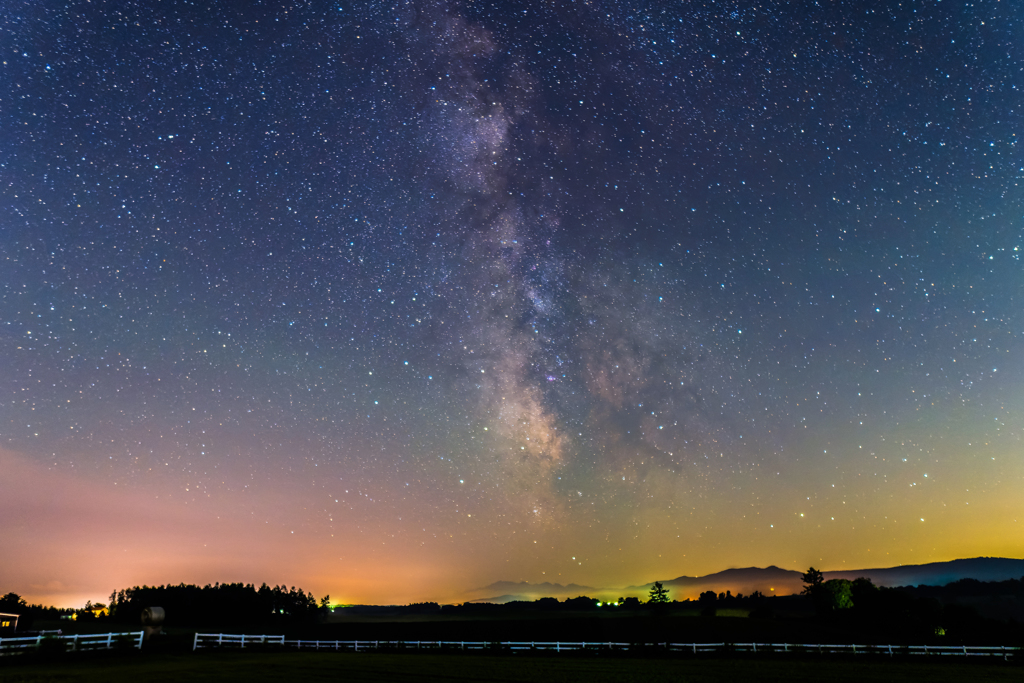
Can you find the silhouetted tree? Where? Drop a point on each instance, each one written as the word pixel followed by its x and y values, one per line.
pixel 426 608
pixel 813 580
pixel 12 603
pixel 581 602
pixel 762 606
pixel 708 603
pixel 835 594
pixel 547 603
pixel 813 588
pixel 865 594
pixel 630 602
pixel 658 594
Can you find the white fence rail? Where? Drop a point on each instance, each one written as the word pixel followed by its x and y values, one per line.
pixel 71 643
pixel 222 640
pixel 206 640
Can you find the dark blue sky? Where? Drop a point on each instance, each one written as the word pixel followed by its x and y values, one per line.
pixel 593 274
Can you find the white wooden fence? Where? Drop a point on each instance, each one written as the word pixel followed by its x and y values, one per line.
pixel 206 640
pixel 71 643
pixel 224 640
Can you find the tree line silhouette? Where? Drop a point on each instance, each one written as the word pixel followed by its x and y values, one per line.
pixel 947 613
pixel 220 604
pixel 12 603
pixel 925 610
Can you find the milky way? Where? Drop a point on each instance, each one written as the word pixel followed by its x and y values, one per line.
pixel 440 293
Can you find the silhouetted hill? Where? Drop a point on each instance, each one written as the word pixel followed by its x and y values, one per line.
pixel 939 573
pixel 767 580
pixel 508 591
pixel 777 581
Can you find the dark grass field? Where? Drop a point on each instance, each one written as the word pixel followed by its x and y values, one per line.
pixel 355 668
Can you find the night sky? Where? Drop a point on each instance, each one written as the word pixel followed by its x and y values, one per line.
pixel 392 301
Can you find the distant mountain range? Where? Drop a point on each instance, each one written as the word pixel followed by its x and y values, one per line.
pixel 508 591
pixel 940 573
pixel 769 580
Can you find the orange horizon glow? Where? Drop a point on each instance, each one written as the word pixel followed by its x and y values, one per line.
pixel 74 538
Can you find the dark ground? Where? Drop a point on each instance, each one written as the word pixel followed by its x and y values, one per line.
pixel 356 668
pixel 681 626
pixel 645 627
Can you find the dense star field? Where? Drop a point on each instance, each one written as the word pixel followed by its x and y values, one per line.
pixel 392 301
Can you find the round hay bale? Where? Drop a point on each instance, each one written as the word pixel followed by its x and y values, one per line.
pixel 153 616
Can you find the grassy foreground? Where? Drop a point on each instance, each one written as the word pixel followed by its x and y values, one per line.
pixel 356 668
